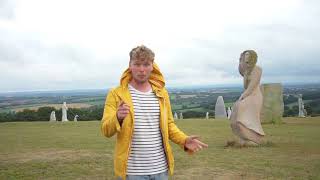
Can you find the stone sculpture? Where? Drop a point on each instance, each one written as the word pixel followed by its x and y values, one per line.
pixel 245 117
pixel 302 111
pixel 175 115
pixel 220 109
pixel 229 112
pixel 181 116
pixel 75 119
pixel 64 112
pixel 53 116
pixel 273 106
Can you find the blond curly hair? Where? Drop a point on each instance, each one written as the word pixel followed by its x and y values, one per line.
pixel 141 53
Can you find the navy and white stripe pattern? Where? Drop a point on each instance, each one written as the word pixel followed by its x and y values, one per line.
pixel 147 154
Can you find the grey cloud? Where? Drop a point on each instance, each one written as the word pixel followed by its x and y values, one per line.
pixel 27 63
pixel 287 50
pixel 283 50
pixel 17 48
pixel 7 8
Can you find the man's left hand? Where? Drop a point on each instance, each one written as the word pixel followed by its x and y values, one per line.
pixel 193 144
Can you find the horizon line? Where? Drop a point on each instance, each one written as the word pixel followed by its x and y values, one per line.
pixel 169 87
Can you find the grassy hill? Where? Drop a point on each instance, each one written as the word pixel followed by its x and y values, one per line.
pixel 43 150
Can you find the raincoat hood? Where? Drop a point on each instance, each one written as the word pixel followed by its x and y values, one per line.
pixel 156 78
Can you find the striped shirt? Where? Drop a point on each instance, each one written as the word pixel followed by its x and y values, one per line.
pixel 147 154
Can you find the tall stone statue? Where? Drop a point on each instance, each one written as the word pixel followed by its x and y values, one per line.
pixel 302 111
pixel 64 112
pixel 181 116
pixel 273 106
pixel 245 117
pixel 220 108
pixel 229 112
pixel 175 115
pixel 53 116
pixel 207 115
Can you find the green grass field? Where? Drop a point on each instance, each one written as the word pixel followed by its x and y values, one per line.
pixel 43 150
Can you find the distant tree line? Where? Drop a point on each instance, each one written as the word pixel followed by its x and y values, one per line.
pixel 312 107
pixel 294 110
pixel 85 114
pixel 290 99
pixel 43 114
pixel 196 114
pixel 96 112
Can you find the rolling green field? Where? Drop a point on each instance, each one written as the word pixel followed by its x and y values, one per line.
pixel 43 150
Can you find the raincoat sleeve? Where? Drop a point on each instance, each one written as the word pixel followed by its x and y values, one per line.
pixel 175 134
pixel 110 124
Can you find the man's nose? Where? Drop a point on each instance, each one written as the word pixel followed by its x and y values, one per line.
pixel 141 68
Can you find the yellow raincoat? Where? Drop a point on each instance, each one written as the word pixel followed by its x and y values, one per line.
pixel 111 126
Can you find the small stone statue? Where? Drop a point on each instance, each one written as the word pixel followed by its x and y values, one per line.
pixel 64 112
pixel 53 116
pixel 181 116
pixel 175 115
pixel 302 111
pixel 220 109
pixel 75 119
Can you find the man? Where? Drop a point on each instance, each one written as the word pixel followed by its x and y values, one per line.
pixel 139 112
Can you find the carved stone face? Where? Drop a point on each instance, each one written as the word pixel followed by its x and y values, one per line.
pixel 247 61
pixel 242 67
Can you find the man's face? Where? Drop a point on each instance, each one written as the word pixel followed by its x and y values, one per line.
pixel 140 70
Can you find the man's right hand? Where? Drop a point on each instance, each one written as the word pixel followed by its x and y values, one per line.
pixel 123 111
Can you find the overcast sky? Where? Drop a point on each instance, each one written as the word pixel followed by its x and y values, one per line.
pixel 84 44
